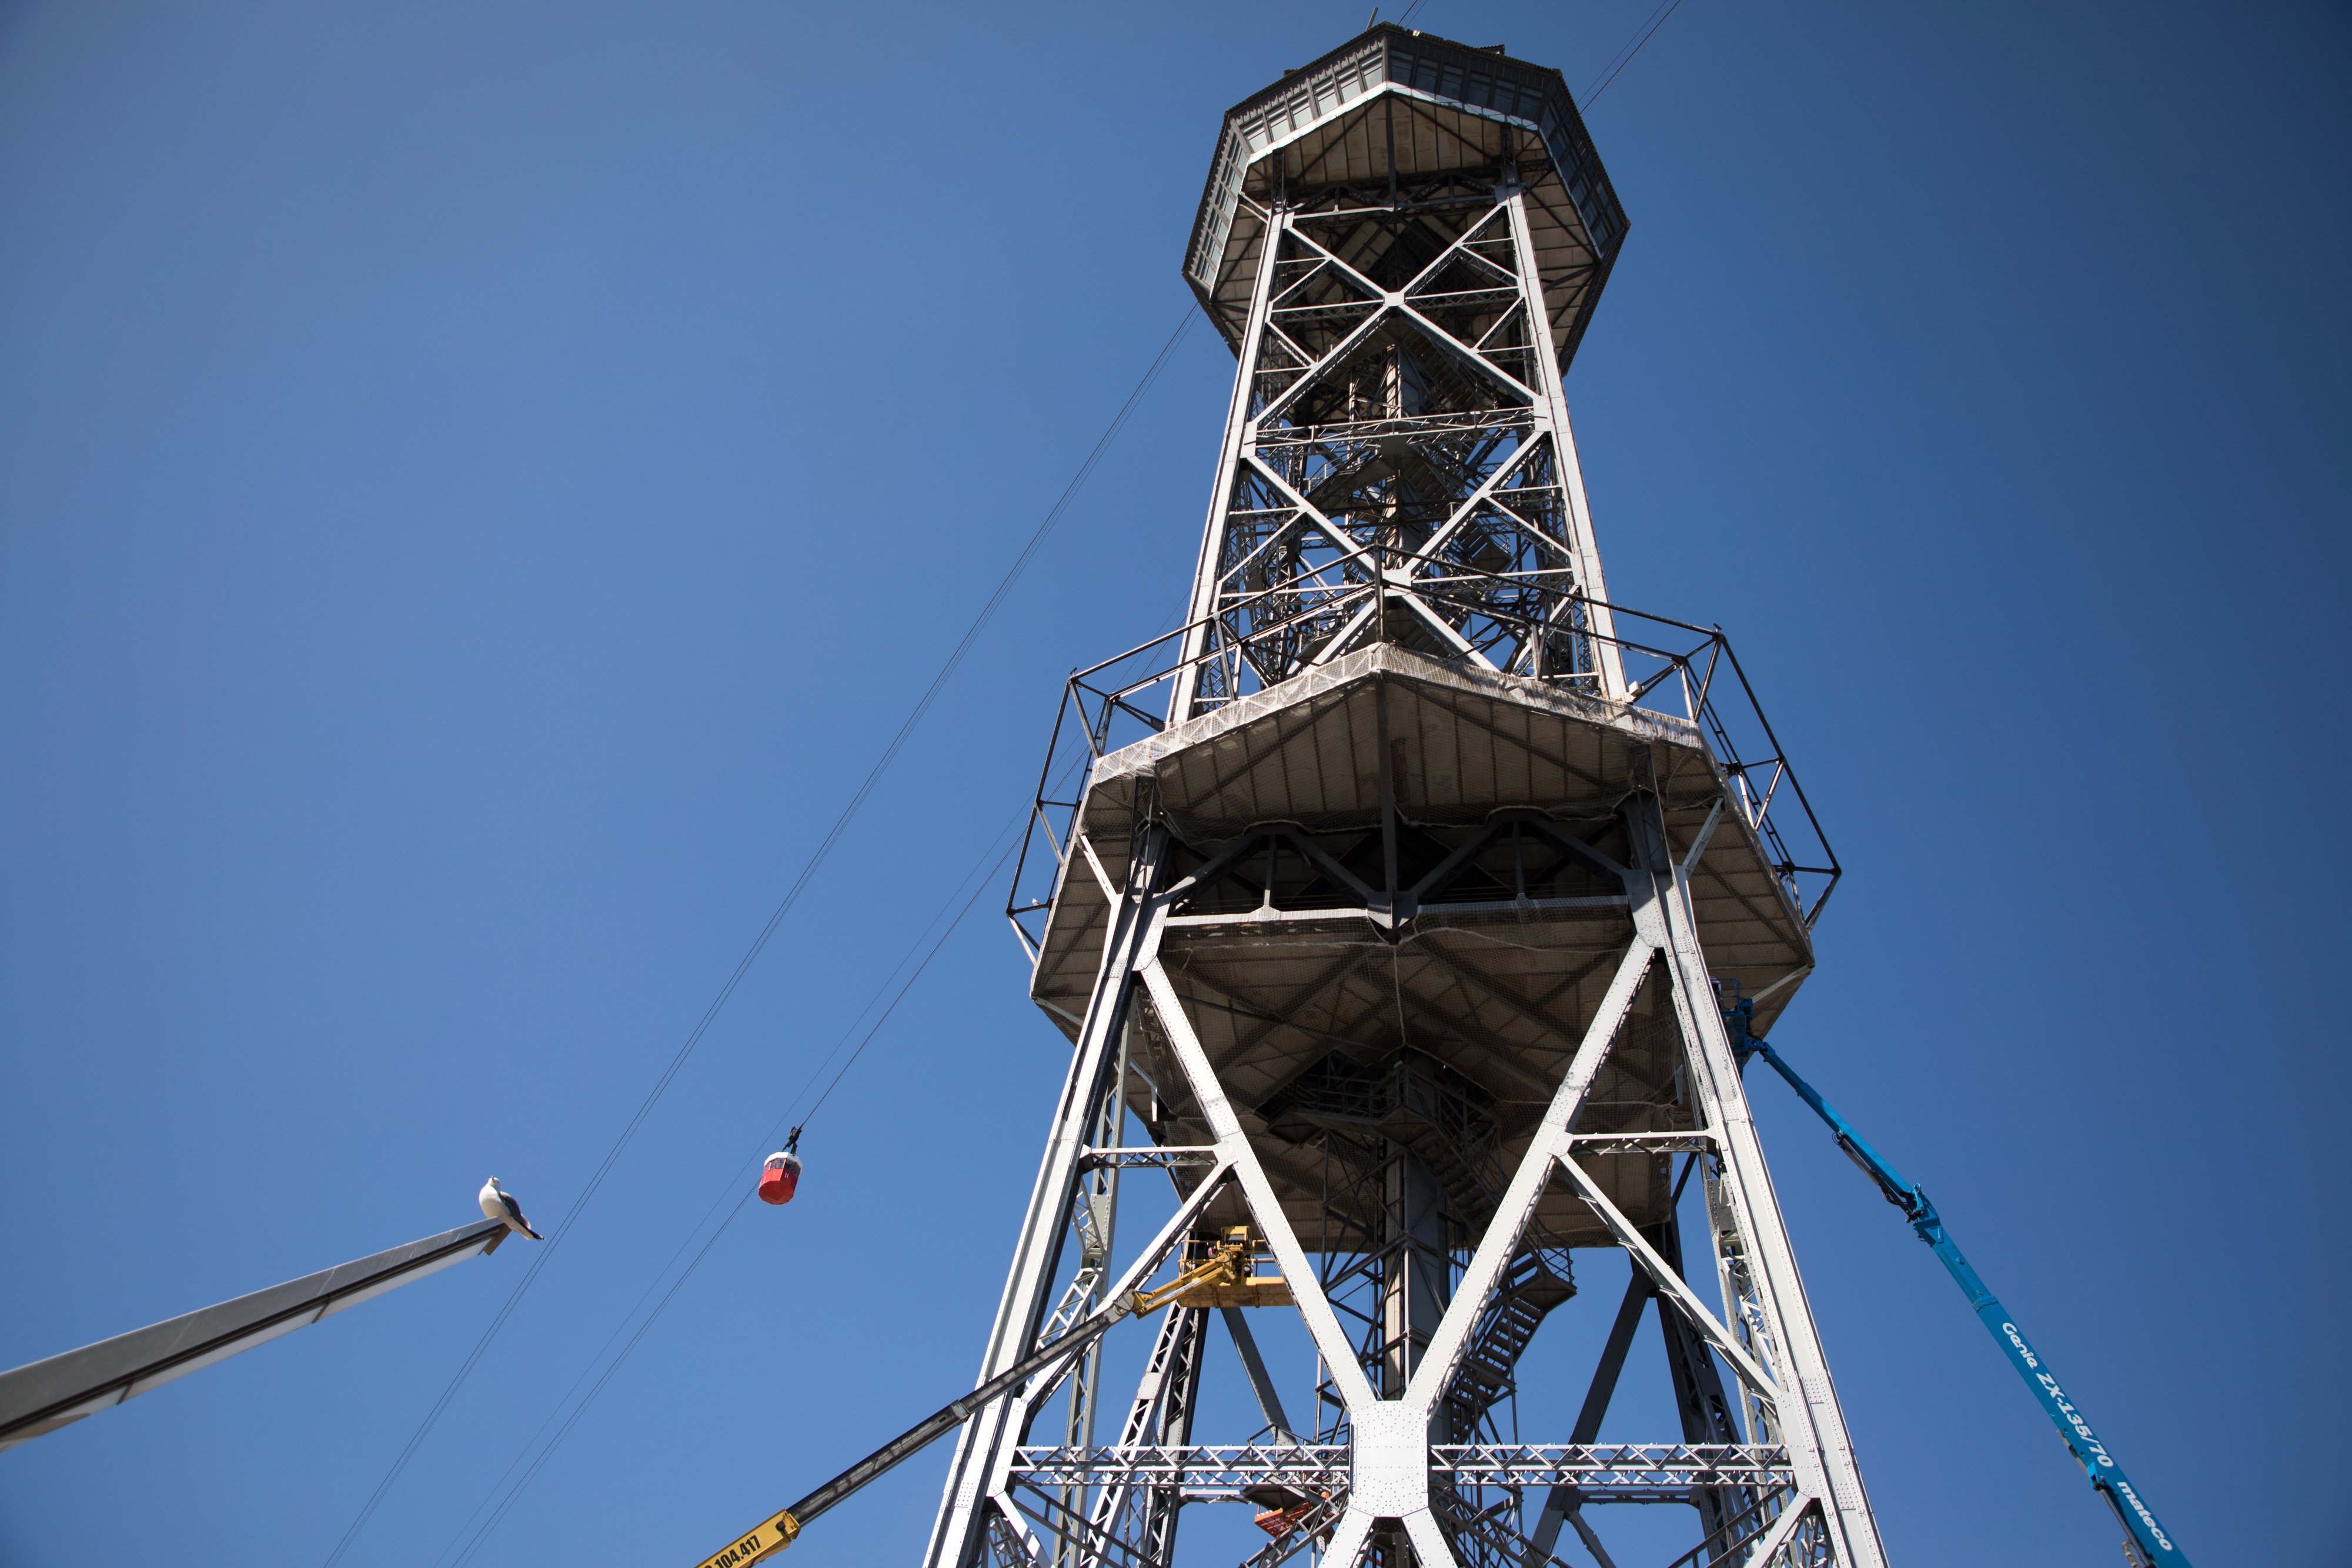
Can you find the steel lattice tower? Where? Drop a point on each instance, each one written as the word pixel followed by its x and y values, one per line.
pixel 1392 901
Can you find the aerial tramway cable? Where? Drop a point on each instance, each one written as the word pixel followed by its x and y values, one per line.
pixel 949 919
pixel 1625 57
pixel 894 996
pixel 759 943
pixel 1617 62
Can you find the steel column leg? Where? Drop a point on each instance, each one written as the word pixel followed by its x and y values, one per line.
pixel 1750 1241
pixel 955 1538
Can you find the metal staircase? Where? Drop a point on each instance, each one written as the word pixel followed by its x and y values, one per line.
pixel 1532 1286
pixel 1413 1102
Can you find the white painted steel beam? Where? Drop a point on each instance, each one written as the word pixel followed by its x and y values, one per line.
pixel 44 1396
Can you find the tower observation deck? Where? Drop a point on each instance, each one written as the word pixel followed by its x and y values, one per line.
pixel 1386 905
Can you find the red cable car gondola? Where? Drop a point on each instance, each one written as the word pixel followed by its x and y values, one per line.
pixel 780 1173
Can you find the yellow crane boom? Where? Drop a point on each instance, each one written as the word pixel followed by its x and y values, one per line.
pixel 1224 1267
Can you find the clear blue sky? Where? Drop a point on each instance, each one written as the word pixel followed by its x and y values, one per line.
pixel 480 484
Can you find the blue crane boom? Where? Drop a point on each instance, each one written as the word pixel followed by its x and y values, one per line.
pixel 2151 1545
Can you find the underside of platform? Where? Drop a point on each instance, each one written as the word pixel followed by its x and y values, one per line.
pixel 1400 869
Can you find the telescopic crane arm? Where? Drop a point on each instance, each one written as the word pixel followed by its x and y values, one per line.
pixel 2146 1541
pixel 1227 1265
pixel 774 1534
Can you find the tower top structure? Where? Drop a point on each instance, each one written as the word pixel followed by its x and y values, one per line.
pixel 1402 243
pixel 1407 114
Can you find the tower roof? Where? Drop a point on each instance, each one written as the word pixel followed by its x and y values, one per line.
pixel 1400 110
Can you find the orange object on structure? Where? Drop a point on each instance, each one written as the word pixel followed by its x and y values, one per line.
pixel 779 1176
pixel 1280 1521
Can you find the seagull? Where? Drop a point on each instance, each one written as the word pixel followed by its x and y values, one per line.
pixel 497 1203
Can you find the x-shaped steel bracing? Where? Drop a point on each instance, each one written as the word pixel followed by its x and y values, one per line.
pixel 1356 574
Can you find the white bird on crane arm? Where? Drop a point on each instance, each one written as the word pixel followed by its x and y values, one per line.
pixel 497 1203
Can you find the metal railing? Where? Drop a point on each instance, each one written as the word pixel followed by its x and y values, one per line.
pixel 1111 704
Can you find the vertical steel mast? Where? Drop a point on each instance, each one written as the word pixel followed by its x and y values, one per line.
pixel 1386 907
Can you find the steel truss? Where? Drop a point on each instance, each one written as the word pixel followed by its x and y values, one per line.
pixel 1382 935
pixel 1657 1472
pixel 1786 1479
pixel 1397 466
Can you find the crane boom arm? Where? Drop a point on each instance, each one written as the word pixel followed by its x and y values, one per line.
pixel 776 1533
pixel 1225 1265
pixel 2152 1544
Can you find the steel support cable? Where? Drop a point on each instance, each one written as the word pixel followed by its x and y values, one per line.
pixel 1618 62
pixel 618 1329
pixel 950 918
pixel 1625 57
pixel 792 897
pixel 885 990
pixel 986 878
pixel 881 995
